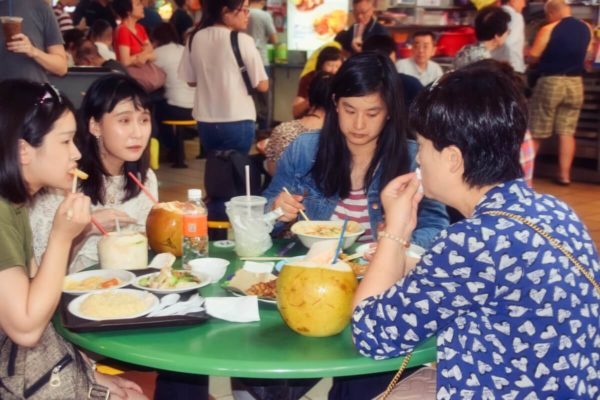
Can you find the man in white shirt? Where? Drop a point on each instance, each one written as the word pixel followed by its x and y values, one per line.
pixel 512 51
pixel 420 65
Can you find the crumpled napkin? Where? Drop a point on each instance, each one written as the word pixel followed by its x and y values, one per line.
pixel 258 267
pixel 233 309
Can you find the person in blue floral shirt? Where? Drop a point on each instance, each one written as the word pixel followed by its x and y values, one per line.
pixel 513 315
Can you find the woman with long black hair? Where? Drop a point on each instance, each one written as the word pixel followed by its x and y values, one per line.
pixel 223 105
pixel 339 173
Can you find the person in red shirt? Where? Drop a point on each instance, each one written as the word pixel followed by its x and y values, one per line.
pixel 131 42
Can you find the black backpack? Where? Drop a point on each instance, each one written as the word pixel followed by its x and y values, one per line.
pixel 224 176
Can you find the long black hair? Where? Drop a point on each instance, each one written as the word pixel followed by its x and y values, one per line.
pixel 101 98
pixel 28 111
pixel 361 75
pixel 212 14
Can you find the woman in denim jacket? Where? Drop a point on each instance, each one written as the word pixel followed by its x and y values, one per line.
pixel 340 172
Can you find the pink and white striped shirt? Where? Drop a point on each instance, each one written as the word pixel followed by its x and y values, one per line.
pixel 355 208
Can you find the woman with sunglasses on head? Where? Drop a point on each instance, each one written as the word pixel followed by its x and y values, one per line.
pixel 223 105
pixel 37 151
pixel 115 114
pixel 339 173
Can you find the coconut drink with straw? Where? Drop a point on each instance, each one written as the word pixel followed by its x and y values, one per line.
pixel 314 296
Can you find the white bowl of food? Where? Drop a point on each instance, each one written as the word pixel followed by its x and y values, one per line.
pixel 215 268
pixel 310 232
pixel 96 280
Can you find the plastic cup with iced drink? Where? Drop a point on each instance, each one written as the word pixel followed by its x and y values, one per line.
pixel 11 27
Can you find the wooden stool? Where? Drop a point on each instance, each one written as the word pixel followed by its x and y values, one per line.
pixel 179 147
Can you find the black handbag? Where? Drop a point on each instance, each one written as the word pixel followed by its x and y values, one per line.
pixel 51 370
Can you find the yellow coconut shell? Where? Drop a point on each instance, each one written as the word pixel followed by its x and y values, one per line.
pixel 316 301
pixel 164 227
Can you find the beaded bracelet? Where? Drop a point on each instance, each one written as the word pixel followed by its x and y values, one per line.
pixel 397 239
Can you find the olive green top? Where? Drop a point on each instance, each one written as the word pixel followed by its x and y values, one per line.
pixel 15 236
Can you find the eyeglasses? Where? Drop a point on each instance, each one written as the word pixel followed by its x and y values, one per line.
pixel 50 95
pixel 243 10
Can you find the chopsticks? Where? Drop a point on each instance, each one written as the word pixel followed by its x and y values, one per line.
pixel 262 258
pixel 77 173
pixel 352 257
pixel 301 211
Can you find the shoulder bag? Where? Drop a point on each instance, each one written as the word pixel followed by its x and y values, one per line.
pixel 149 75
pixel 422 384
pixel 233 37
pixel 52 370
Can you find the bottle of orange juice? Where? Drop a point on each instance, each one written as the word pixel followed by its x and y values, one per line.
pixel 195 228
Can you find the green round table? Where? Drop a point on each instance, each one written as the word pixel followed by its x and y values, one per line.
pixel 264 349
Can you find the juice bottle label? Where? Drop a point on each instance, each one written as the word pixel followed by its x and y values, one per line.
pixel 195 225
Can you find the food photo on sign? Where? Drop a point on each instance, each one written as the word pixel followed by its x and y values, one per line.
pixel 312 23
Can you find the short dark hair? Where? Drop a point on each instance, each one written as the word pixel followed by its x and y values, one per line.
pixel 382 43
pixel 361 75
pixel 72 38
pixel 180 3
pixel 101 98
pixel 424 33
pixel 98 28
pixel 490 22
pixel 328 53
pixel 28 111
pixel 85 50
pixel 122 7
pixel 481 110
pixel 165 33
pixel 318 90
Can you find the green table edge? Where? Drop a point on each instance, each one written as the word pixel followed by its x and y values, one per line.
pixel 195 363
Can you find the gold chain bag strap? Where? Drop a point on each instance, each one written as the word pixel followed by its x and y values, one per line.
pixel 554 242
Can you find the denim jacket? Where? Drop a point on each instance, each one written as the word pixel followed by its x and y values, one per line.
pixel 293 172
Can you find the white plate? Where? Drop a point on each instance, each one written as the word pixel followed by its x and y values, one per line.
pixel 237 293
pixel 362 249
pixel 105 274
pixel 75 304
pixel 204 280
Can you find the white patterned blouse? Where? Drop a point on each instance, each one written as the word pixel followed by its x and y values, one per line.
pixel 41 215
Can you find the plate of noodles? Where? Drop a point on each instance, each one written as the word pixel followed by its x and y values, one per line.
pixel 96 280
pixel 113 304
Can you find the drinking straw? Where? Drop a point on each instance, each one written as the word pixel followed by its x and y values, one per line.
pixel 10 8
pixel 117 226
pixel 141 186
pixel 301 212
pixel 247 170
pixel 99 226
pixel 340 242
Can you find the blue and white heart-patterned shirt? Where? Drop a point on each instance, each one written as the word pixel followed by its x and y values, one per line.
pixel 514 319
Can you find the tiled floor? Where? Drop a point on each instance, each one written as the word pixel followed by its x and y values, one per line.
pixel 584 198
